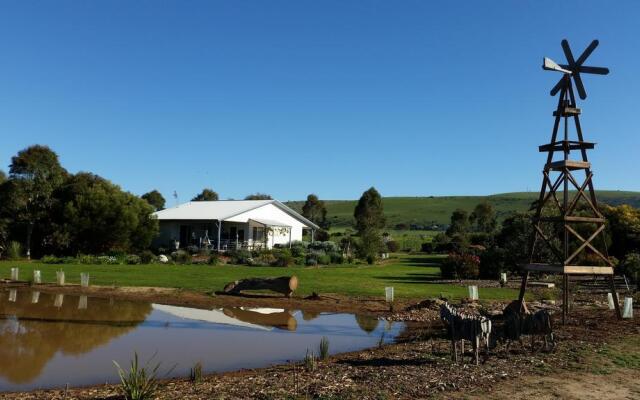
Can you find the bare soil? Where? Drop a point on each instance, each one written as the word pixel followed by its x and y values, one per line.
pixel 597 357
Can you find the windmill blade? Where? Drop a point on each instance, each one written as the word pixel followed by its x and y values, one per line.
pixel 594 70
pixel 587 52
pixel 550 65
pixel 557 87
pixel 579 86
pixel 567 52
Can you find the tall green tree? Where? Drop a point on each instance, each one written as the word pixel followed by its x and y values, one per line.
pixel 370 219
pixel 35 173
pixel 95 216
pixel 3 177
pixel 258 196
pixel 206 195
pixel 483 218
pixel 155 199
pixel 459 223
pixel 315 210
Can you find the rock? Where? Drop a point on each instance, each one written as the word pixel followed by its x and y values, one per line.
pixel 163 259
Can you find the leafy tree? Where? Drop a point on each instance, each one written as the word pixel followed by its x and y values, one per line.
pixel 459 223
pixel 258 196
pixel 206 195
pixel 95 216
pixel 483 218
pixel 155 199
pixel 623 228
pixel 3 177
pixel 35 173
pixel 315 210
pixel 370 219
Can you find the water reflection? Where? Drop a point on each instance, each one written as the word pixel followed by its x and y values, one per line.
pixel 35 326
pixel 48 340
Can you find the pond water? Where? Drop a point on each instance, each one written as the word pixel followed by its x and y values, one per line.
pixel 49 340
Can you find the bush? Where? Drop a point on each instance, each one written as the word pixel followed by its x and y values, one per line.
pixel 336 257
pixel 370 259
pixel 139 382
pixel 325 247
pixel 133 259
pixel 14 250
pixel 311 260
pixel 147 257
pixel 392 246
pixel 240 257
pixel 460 266
pixel 427 247
pixel 324 259
pixel 52 260
pixel 492 263
pixel 110 260
pixel 283 258
pixel 214 259
pixel 263 258
pixel 630 266
pixel 86 259
pixel 181 257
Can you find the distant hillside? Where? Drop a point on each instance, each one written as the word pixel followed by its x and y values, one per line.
pixel 430 210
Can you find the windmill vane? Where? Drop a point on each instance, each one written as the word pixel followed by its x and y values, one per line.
pixel 573 68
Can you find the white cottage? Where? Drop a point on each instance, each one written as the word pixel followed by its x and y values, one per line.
pixel 231 224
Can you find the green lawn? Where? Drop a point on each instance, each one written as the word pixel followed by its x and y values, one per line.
pixel 410 275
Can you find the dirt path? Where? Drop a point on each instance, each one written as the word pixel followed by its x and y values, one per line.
pixel 621 384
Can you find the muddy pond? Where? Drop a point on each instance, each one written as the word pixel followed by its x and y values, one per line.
pixel 50 340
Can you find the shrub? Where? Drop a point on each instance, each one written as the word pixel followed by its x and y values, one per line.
pixel 325 246
pixel 240 257
pixel 492 263
pixel 140 382
pixel 283 258
pixel 310 361
pixel 193 249
pixel 181 257
pixel 393 246
pixel 214 259
pixel 111 260
pixel 263 258
pixel 427 247
pixel 370 259
pixel 311 260
pixel 147 257
pixel 133 259
pixel 14 250
pixel 460 266
pixel 324 259
pixel 52 260
pixel 336 257
pixel 298 249
pixel 86 259
pixel 630 266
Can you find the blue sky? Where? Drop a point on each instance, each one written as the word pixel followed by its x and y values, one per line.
pixel 331 97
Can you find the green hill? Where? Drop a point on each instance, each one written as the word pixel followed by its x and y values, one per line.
pixel 437 210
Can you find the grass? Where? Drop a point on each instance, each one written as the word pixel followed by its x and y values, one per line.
pixel 411 275
pixel 429 210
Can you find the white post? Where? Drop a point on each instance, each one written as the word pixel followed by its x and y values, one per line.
pixel 388 294
pixel 15 272
pixel 84 279
pixel 473 292
pixel 37 277
pixel 610 301
pixel 13 295
pixel 60 278
pixel 35 297
pixel 219 233
pixel 627 310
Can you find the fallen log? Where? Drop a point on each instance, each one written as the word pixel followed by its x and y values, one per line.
pixel 284 284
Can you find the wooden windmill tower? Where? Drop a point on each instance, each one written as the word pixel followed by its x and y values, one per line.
pixel 567 224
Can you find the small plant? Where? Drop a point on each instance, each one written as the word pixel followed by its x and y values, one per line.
pixel 14 250
pixel 310 361
pixel 133 259
pixel 323 349
pixel 214 259
pixel 139 382
pixel 381 341
pixel 195 373
pixel 147 257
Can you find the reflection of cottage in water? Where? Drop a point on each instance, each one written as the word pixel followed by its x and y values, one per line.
pixel 33 328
